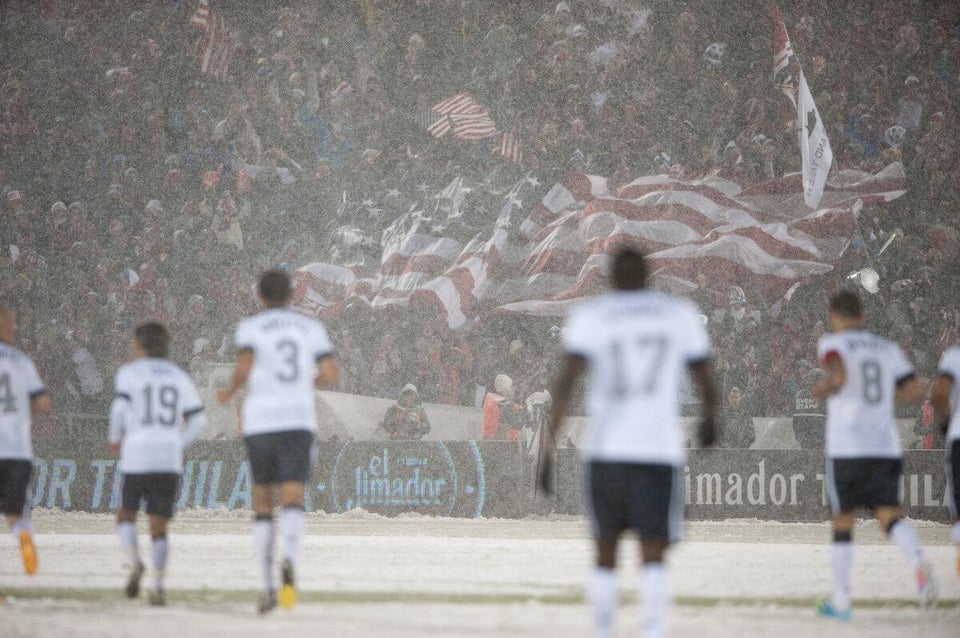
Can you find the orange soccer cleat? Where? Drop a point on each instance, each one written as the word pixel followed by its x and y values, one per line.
pixel 29 552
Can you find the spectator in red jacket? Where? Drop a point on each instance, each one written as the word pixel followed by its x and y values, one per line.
pixel 501 414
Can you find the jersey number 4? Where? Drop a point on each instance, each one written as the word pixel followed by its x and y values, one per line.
pixel 7 400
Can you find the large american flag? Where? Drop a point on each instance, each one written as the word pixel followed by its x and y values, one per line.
pixel 542 258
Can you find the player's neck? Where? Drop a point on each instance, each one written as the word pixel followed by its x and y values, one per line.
pixel 847 324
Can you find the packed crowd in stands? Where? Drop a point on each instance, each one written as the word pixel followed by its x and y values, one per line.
pixel 134 186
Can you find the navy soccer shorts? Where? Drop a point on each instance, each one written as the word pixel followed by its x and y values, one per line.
pixel 866 482
pixel 646 498
pixel 15 477
pixel 279 457
pixel 158 490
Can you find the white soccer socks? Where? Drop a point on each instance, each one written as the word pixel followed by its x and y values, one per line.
pixel 293 522
pixel 159 550
pixel 841 560
pixel 127 533
pixel 905 536
pixel 602 595
pixel 654 600
pixel 263 546
pixel 21 525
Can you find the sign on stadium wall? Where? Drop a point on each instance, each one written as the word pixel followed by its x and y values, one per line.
pixel 781 485
pixel 477 478
pixel 441 478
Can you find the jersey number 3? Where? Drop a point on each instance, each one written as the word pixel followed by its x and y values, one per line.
pixel 289 371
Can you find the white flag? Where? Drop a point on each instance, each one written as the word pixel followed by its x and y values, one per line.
pixel 815 148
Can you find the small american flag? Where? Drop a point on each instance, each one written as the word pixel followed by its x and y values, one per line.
pixel 508 147
pixel 463 115
pixel 201 17
pixel 212 48
pixel 431 120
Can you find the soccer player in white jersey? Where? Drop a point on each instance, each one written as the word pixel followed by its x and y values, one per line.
pixel 155 414
pixel 635 345
pixel 945 397
pixel 22 395
pixel 278 354
pixel 865 375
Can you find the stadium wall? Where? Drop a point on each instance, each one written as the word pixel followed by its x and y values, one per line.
pixel 476 479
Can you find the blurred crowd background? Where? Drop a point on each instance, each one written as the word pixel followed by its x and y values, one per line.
pixel 133 185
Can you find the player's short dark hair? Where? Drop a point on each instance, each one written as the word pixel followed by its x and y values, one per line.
pixel 628 271
pixel 154 338
pixel 274 286
pixel 846 304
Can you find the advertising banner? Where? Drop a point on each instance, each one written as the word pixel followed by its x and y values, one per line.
pixel 476 478
pixel 453 478
pixel 780 485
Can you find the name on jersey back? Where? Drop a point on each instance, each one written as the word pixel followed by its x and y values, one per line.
pixel 274 323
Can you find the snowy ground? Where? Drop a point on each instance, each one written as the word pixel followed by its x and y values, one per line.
pixel 365 575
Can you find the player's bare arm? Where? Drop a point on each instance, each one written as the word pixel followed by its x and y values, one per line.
pixel 329 373
pixel 833 380
pixel 910 390
pixel 940 400
pixel 573 367
pixel 703 379
pixel 40 404
pixel 241 373
pixel 571 370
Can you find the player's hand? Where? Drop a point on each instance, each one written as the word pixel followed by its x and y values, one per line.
pixel 707 432
pixel 224 395
pixel 545 477
pixel 114 449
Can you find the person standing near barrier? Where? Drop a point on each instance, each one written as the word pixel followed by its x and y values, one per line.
pixel 406 419
pixel 865 375
pixel 278 352
pixel 156 413
pixel 501 414
pixel 635 345
pixel 945 397
pixel 22 396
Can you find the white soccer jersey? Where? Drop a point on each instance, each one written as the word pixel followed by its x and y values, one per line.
pixel 151 399
pixel 950 366
pixel 19 382
pixel 280 392
pixel 860 417
pixel 638 345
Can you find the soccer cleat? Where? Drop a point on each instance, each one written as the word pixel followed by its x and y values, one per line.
pixel 826 609
pixel 266 601
pixel 29 552
pixel 133 582
pixel 157 598
pixel 288 592
pixel 927 590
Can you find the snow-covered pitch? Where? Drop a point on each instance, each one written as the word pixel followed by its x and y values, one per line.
pixel 411 576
